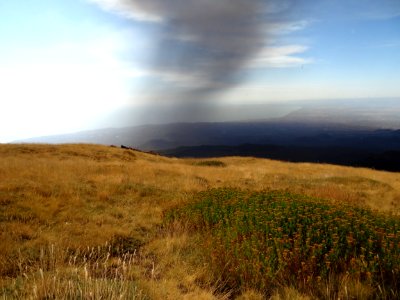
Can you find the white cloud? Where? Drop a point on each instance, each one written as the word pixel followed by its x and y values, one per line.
pixel 280 57
pixel 285 27
pixel 129 9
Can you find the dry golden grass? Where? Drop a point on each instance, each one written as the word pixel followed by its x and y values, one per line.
pixel 76 198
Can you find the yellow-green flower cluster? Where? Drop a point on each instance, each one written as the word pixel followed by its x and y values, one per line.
pixel 256 239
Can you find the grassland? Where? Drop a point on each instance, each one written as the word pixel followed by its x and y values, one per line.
pixel 90 222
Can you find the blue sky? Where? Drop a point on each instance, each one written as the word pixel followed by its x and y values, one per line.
pixel 66 64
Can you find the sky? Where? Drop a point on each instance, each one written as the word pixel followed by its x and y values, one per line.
pixel 69 65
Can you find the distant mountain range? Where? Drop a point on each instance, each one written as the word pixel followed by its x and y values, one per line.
pixel 338 133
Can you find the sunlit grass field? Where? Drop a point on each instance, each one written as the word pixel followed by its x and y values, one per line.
pixel 91 222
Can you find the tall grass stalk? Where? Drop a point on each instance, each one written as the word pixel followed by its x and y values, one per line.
pixel 91 273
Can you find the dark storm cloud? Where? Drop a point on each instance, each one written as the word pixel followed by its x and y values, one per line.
pixel 206 42
pixel 203 45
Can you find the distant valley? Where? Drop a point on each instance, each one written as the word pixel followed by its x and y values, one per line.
pixel 336 133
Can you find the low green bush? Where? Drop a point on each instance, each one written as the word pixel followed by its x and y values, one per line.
pixel 257 240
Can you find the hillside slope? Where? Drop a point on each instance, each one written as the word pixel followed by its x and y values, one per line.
pixel 86 220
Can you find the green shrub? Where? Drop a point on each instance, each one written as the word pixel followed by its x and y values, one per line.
pixel 257 240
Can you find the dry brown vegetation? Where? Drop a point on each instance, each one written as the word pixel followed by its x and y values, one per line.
pixel 85 221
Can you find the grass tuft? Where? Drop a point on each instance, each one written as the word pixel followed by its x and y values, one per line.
pixel 210 163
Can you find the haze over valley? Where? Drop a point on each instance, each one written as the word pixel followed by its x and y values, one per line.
pixel 346 132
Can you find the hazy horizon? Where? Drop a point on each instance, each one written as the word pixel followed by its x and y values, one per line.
pixel 69 66
pixel 347 115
